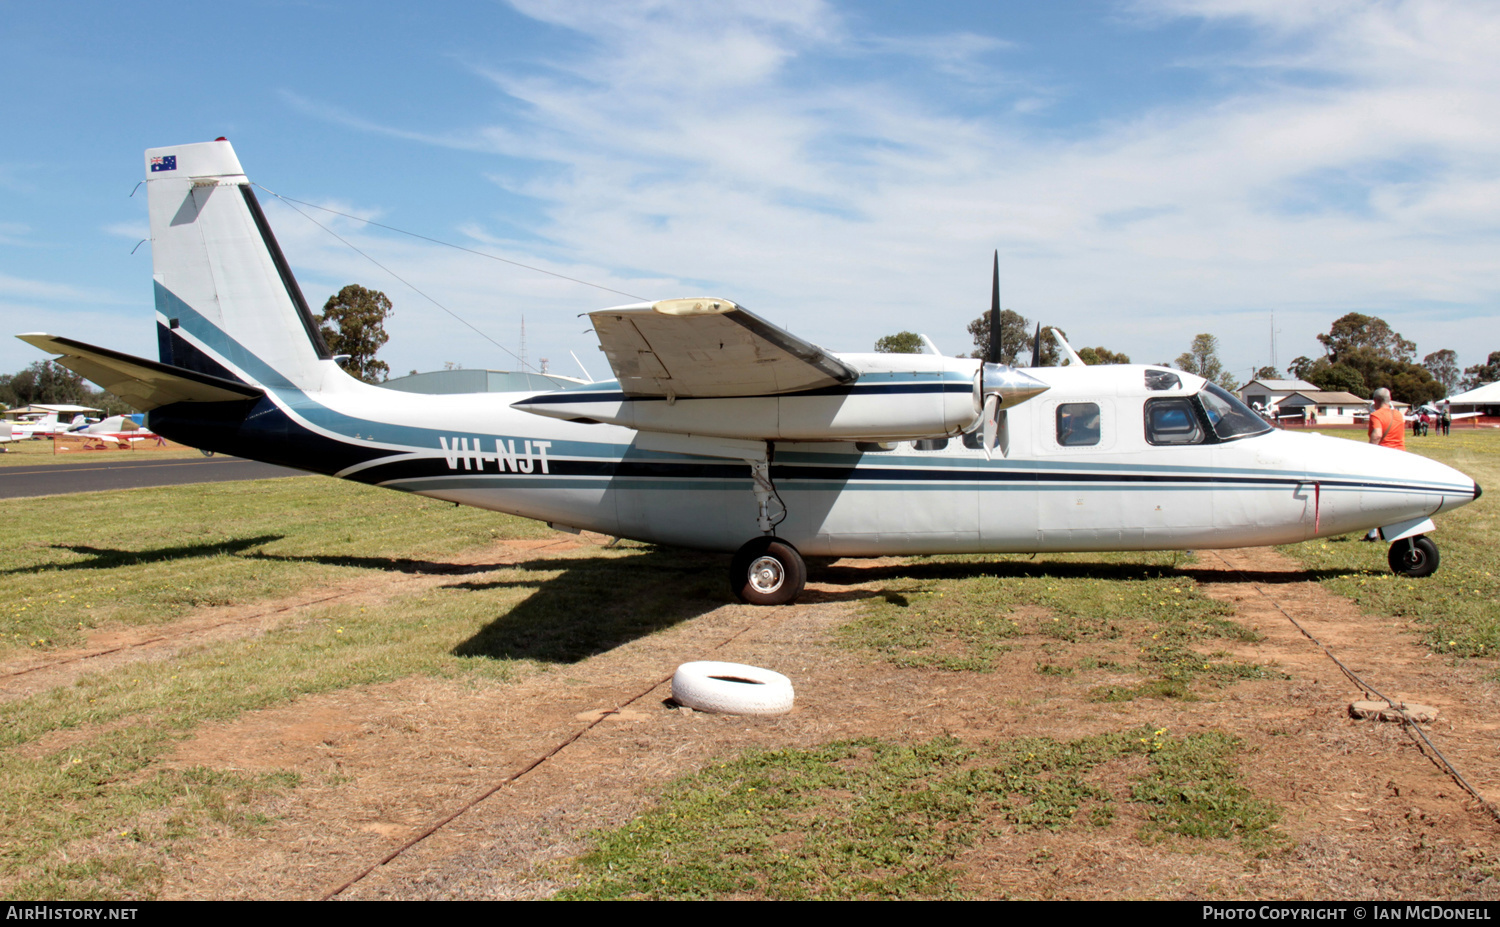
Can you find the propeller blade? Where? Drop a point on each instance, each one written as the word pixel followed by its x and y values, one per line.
pixel 1036 347
pixel 996 346
pixel 991 424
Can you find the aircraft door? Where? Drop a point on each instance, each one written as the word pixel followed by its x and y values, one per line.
pixel 1078 505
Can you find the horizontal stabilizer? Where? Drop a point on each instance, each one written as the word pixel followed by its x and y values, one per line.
pixel 710 348
pixel 145 384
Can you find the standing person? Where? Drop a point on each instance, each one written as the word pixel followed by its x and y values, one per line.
pixel 1387 430
pixel 1445 417
pixel 1386 427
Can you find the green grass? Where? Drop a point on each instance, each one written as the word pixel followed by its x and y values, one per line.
pixel 109 786
pixel 872 819
pixel 1458 607
pixel 89 808
pixel 960 614
pixel 70 564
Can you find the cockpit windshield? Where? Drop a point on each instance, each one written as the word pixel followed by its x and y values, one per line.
pixel 1230 417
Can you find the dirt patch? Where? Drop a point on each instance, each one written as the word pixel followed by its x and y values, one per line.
pixel 582 746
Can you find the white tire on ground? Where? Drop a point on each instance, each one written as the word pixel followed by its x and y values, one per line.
pixel 731 688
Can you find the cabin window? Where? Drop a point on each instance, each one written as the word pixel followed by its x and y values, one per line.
pixel 1230 417
pixel 1157 380
pixel 930 444
pixel 974 440
pixel 1172 421
pixel 1078 424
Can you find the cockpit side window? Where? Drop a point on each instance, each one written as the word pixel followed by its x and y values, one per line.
pixel 1172 422
pixel 1230 417
pixel 1078 424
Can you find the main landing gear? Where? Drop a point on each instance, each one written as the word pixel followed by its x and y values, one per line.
pixel 767 571
pixel 1414 556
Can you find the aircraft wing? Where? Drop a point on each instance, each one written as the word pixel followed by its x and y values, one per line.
pixel 705 348
pixel 145 384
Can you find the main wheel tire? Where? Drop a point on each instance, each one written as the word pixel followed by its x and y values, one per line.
pixel 731 688
pixel 1415 557
pixel 767 571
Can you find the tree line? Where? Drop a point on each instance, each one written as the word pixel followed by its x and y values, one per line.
pixel 1361 353
pixel 47 383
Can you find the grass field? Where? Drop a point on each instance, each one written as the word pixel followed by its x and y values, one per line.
pixel 69 564
pixel 78 563
pixel 89 808
pixel 874 819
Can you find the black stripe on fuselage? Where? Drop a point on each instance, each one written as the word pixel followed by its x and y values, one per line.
pixel 429 467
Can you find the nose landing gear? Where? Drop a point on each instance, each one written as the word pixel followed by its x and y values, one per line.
pixel 1414 556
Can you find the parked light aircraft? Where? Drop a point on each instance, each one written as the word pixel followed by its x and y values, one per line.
pixel 724 432
pixel 119 430
pixel 39 426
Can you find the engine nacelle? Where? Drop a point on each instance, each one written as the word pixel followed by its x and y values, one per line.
pixel 896 397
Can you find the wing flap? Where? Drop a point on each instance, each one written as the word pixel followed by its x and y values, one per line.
pixel 145 384
pixel 707 348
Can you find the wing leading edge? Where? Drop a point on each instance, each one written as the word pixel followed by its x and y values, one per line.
pixel 710 348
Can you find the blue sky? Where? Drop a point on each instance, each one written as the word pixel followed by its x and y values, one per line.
pixel 1148 170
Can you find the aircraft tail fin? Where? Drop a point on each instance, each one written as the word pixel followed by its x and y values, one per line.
pixel 227 304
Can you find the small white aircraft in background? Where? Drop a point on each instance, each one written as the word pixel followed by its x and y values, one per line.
pixel 724 432
pixel 120 430
pixel 39 426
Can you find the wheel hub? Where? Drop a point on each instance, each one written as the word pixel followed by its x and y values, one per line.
pixel 767 574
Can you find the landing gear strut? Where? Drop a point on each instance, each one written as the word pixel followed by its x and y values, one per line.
pixel 1415 556
pixel 767 571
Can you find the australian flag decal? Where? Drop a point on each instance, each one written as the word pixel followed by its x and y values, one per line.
pixel 168 163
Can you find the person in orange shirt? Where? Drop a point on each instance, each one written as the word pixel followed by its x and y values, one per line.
pixel 1386 427
pixel 1387 430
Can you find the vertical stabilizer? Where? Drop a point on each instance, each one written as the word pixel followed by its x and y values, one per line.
pixel 226 301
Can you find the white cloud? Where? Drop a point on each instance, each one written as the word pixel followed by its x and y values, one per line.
pixel 49 290
pixel 702 147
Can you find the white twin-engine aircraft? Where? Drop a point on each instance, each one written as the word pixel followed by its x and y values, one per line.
pixel 723 432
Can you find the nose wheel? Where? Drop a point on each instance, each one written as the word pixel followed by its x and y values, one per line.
pixel 1416 556
pixel 767 571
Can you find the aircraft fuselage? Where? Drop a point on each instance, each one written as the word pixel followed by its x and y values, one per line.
pixel 1049 492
